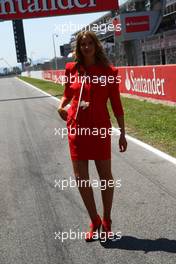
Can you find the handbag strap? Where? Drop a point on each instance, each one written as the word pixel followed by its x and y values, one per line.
pixel 80 95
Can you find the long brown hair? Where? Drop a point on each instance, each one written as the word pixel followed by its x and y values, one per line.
pixel 100 56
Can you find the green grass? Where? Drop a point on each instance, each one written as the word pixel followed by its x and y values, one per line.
pixel 54 89
pixel 154 124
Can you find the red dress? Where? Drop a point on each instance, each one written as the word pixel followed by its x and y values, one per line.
pixel 88 135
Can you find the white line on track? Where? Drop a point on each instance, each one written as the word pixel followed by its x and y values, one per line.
pixel 134 140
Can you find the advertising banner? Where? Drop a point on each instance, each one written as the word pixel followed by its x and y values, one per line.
pixel 21 9
pixel 155 82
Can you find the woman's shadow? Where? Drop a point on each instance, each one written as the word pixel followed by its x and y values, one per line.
pixel 146 245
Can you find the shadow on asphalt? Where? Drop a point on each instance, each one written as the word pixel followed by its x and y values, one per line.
pixel 146 245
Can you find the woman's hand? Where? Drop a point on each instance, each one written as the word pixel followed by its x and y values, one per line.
pixel 63 113
pixel 122 143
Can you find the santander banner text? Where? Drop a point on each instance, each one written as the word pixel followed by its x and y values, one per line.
pixel 156 82
pixel 21 9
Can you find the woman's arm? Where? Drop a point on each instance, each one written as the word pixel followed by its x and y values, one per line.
pixel 121 123
pixel 118 113
pixel 67 95
pixel 122 139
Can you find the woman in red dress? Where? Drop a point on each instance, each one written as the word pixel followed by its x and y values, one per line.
pixel 90 82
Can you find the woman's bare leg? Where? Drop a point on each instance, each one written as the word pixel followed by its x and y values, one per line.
pixel 80 168
pixel 105 174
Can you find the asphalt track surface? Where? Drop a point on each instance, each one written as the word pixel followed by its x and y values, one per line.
pixel 33 210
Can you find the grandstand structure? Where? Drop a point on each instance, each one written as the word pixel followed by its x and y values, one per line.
pixel 157 49
pixel 161 48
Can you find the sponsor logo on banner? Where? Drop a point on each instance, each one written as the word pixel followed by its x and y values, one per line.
pixel 21 9
pixel 137 24
pixel 140 84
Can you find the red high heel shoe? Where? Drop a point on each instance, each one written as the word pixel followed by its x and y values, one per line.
pixel 95 225
pixel 106 228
